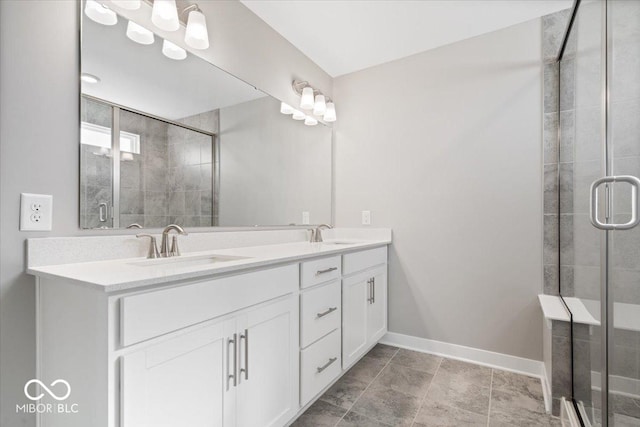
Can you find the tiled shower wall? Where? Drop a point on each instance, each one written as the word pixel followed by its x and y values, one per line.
pixel 170 181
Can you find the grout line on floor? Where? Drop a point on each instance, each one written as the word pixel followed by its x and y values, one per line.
pixel 490 393
pixel 424 398
pixel 368 385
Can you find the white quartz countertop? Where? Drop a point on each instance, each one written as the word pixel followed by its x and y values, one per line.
pixel 121 274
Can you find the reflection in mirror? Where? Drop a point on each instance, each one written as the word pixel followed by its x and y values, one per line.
pixel 181 141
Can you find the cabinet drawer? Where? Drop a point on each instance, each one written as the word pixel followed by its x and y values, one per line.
pixel 319 271
pixel 319 365
pixel 320 312
pixel 147 315
pixel 358 261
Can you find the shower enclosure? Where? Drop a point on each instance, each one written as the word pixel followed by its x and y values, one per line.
pixel 598 155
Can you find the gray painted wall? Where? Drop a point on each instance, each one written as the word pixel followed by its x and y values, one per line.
pixel 39 141
pixel 444 147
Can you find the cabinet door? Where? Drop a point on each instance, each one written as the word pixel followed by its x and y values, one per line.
pixel 178 382
pixel 377 308
pixel 268 365
pixel 355 295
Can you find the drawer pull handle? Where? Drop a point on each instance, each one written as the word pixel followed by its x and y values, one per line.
pixel 324 313
pixel 326 365
pixel 326 270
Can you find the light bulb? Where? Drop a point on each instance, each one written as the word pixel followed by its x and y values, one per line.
pixel 306 102
pixel 164 15
pixel 197 35
pixel 127 4
pixel 139 34
pixel 173 51
pixel 298 115
pixel 310 121
pixel 286 108
pixel 330 114
pixel 319 107
pixel 89 78
pixel 99 13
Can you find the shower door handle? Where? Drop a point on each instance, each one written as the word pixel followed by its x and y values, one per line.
pixel 103 211
pixel 593 212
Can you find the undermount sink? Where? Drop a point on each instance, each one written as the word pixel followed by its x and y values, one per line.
pixel 340 243
pixel 188 261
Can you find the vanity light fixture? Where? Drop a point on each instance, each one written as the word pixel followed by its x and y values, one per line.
pixel 164 15
pixel 330 114
pixel 310 121
pixel 139 34
pixel 100 13
pixel 127 4
pixel 298 115
pixel 319 106
pixel 196 35
pixel 286 108
pixel 173 51
pixel 307 101
pixel 126 157
pixel 89 78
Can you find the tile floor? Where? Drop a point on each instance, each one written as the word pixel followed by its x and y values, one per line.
pixel 397 387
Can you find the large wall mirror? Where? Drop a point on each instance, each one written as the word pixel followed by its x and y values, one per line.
pixel 181 141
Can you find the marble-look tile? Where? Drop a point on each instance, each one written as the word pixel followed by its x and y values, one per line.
pixel 460 394
pixel 456 370
pixel 383 352
pixel 566 187
pixel 344 392
pixel 553 29
pixel 567 135
pixel 620 420
pixel 176 203
pixel 131 201
pixel 403 379
pixel 366 369
pixel 550 87
pixel 320 414
pixel 566 241
pixel 567 84
pixel 516 400
pixel 551 280
pixel 522 418
pixel 206 151
pixel 416 360
pixel 353 419
pixel 434 414
pixel 155 203
pixel 567 280
pixel 625 405
pixel 206 203
pixel 192 203
pixel 550 142
pixel 550 239
pixel 516 383
pixel 561 366
pixel 206 177
pixel 192 177
pixel 393 408
pixel 175 179
pixel 550 194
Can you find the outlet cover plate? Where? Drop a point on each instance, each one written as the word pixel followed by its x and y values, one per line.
pixel 36 212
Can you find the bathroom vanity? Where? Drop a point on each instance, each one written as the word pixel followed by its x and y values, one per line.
pixel 248 336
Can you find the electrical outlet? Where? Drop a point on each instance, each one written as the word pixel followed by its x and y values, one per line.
pixel 36 212
pixel 305 217
pixel 366 217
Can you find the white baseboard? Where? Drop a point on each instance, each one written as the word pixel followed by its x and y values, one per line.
pixel 505 362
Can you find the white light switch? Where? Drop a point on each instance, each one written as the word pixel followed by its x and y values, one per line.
pixel 366 217
pixel 35 212
pixel 305 217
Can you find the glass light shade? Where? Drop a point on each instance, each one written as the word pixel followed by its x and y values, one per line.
pixel 164 15
pixel 171 50
pixel 310 121
pixel 307 102
pixel 197 35
pixel 139 34
pixel 298 115
pixel 89 78
pixel 99 13
pixel 319 107
pixel 126 157
pixel 127 4
pixel 286 108
pixel 330 114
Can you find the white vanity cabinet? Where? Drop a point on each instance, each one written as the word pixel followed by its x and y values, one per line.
pixel 364 302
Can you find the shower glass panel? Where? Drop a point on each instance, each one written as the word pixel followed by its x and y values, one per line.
pixel 600 263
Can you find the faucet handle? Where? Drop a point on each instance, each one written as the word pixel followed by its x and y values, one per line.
pixel 175 251
pixel 153 249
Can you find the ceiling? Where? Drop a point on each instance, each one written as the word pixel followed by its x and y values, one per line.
pixel 343 36
pixel 142 78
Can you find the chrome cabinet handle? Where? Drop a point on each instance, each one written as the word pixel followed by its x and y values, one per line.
pixel 326 365
pixel 373 290
pixel 324 313
pixel 593 212
pixel 102 211
pixel 327 270
pixel 245 337
pixel 232 376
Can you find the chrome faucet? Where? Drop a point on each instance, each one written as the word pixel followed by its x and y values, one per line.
pixel 164 246
pixel 316 233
